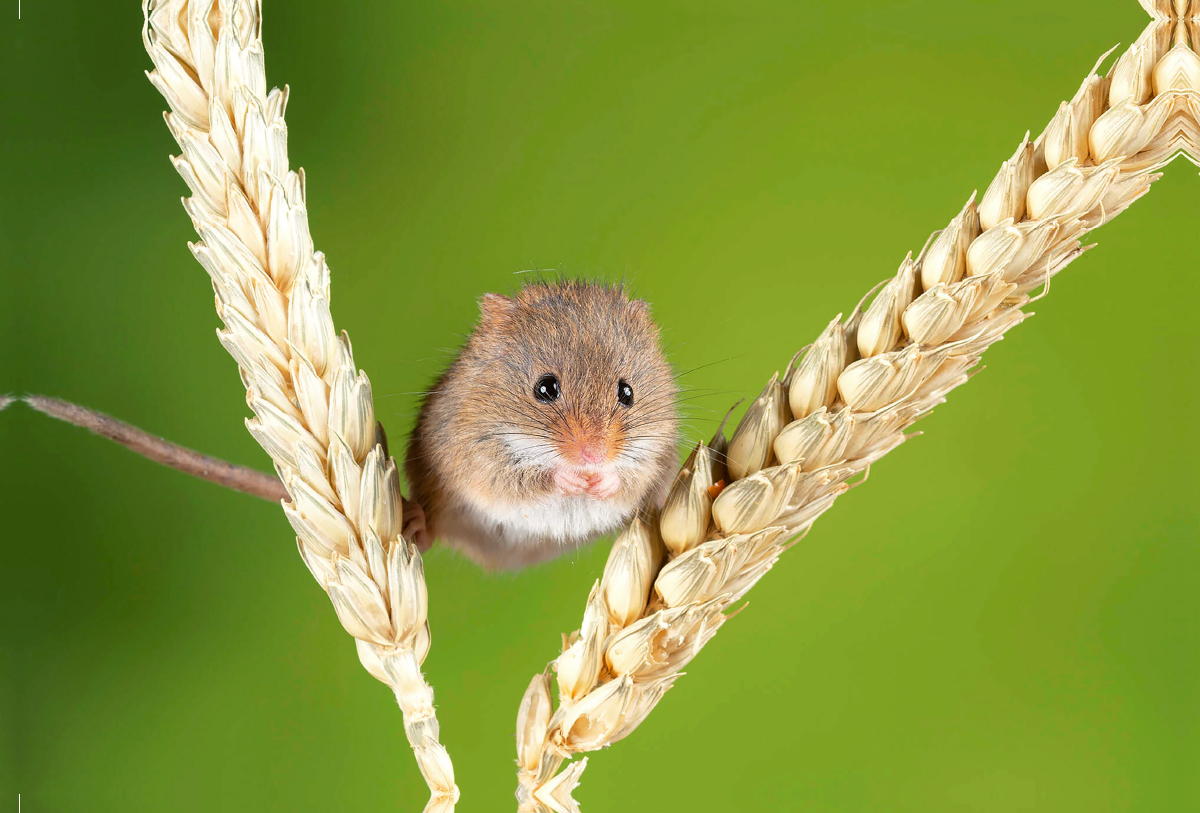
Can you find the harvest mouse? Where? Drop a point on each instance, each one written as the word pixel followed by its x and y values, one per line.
pixel 553 426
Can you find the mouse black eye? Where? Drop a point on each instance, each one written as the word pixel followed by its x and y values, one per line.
pixel 546 389
pixel 624 393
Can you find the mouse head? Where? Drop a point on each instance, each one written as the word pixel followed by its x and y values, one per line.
pixel 569 377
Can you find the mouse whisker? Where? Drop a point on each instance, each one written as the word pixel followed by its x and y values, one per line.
pixel 704 366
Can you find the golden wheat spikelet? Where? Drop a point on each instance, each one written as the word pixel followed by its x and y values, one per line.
pixel 313 409
pixel 850 397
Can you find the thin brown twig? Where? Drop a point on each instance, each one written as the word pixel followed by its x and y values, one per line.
pixel 239 478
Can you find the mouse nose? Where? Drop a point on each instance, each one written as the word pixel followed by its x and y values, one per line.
pixel 592 452
pixel 585 451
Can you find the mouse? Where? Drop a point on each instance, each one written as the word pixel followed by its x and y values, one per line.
pixel 554 425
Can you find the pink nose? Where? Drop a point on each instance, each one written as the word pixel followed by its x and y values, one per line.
pixel 592 453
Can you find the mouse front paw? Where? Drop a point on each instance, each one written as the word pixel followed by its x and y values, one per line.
pixel 570 482
pixel 414 526
pixel 603 485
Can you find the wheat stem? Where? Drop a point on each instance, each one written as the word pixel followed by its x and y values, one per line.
pixel 160 450
pixel 313 409
pixel 849 398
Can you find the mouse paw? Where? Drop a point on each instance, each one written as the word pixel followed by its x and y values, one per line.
pixel 604 485
pixel 414 526
pixel 570 482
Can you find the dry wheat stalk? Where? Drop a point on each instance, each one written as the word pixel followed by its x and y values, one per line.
pixel 312 406
pixel 848 400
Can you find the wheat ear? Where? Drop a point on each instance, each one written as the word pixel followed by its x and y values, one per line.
pixel 312 406
pixel 849 398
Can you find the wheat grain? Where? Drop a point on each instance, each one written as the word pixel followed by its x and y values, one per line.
pixel 851 396
pixel 312 407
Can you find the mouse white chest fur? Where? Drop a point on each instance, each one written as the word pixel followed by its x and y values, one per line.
pixel 524 532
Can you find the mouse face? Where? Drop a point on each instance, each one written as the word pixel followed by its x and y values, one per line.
pixel 573 382
pixel 555 423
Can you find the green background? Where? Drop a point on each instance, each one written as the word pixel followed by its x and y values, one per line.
pixel 1006 618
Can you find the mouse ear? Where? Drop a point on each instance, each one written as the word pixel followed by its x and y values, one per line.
pixel 640 306
pixel 494 309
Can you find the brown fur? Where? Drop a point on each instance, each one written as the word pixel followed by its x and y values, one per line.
pixel 588 335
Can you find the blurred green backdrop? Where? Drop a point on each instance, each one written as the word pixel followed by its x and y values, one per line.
pixel 1005 619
